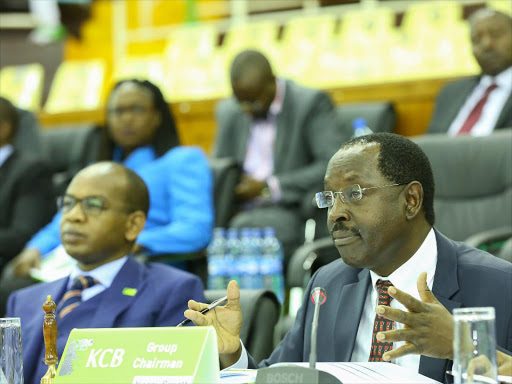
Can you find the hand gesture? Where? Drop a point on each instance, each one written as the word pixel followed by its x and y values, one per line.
pixel 249 188
pixel 226 320
pixel 27 259
pixel 428 326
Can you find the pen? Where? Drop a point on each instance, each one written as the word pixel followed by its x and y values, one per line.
pixel 483 379
pixel 214 304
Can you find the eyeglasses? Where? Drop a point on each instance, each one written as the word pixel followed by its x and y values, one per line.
pixel 133 109
pixel 349 194
pixel 91 205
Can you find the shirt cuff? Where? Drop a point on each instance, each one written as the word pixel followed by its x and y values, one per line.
pixel 275 188
pixel 243 361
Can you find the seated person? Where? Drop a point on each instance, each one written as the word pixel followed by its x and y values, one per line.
pixel 283 135
pixel 26 199
pixel 141 134
pixel 478 105
pixel 28 135
pixel 379 199
pixel 102 213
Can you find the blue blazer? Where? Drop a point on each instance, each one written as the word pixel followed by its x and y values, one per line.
pixel 161 298
pixel 465 277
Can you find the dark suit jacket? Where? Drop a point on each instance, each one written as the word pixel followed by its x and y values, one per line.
pixel 451 99
pixel 308 134
pixel 161 298
pixel 26 201
pixel 465 277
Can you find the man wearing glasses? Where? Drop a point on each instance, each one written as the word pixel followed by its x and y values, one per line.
pixel 103 211
pixel 391 294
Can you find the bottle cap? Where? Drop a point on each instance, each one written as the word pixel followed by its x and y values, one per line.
pixel 359 123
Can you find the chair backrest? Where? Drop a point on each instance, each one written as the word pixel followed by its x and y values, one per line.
pixel 380 116
pixel 261 311
pixel 226 174
pixel 68 150
pixel 506 251
pixel 28 135
pixel 473 182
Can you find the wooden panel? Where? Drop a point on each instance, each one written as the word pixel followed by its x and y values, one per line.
pixel 413 101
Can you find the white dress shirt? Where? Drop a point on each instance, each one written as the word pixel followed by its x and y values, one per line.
pixel 492 108
pixel 5 151
pixel 259 158
pixel 104 274
pixel 405 279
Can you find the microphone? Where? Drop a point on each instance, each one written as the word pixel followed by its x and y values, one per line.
pixel 282 373
pixel 318 297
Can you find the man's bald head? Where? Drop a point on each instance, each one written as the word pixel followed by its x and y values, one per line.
pixel 8 121
pixel 491 38
pixel 131 191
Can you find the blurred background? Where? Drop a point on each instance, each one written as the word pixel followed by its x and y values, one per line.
pixel 59 58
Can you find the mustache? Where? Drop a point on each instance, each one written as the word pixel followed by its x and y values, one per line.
pixel 339 226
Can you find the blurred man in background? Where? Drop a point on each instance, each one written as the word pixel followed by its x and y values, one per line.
pixel 103 211
pixel 481 104
pixel 283 135
pixel 26 195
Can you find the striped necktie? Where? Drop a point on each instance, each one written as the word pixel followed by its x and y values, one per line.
pixel 381 324
pixel 73 297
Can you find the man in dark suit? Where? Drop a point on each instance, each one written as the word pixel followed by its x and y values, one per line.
pixel 283 136
pixel 478 105
pixel 379 196
pixel 26 201
pixel 103 211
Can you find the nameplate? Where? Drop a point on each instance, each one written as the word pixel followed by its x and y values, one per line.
pixel 140 356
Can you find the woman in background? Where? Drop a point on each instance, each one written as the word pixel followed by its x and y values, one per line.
pixel 141 134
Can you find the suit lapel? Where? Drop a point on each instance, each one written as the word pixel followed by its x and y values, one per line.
pixel 458 100
pixel 505 114
pixel 114 301
pixel 446 285
pixel 244 127
pixel 348 320
pixel 283 120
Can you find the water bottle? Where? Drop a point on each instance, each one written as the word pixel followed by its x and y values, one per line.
pixel 272 264
pixel 231 264
pixel 257 244
pixel 248 267
pixel 360 127
pixel 215 256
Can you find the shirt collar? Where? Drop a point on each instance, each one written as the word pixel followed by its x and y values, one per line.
pixel 5 151
pixel 277 104
pixel 406 276
pixel 104 274
pixel 502 79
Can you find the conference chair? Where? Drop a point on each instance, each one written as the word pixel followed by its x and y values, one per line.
pixel 380 116
pixel 68 149
pixel 28 135
pixel 261 311
pixel 226 173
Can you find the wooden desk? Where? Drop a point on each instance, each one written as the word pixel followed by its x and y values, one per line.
pixel 413 101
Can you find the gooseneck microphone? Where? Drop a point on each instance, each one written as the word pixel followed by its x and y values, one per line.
pixel 318 297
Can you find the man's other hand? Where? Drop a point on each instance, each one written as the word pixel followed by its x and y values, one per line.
pixel 428 326
pixel 226 320
pixel 249 188
pixel 27 259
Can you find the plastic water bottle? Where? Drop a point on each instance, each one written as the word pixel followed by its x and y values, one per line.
pixel 215 255
pixel 360 127
pixel 231 265
pixel 272 264
pixel 248 267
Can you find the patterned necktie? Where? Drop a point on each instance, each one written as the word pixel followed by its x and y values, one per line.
pixel 381 324
pixel 73 297
pixel 476 113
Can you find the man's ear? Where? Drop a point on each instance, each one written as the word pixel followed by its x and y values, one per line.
pixel 134 225
pixel 413 199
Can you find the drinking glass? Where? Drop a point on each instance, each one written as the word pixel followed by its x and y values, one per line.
pixel 474 346
pixel 11 361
